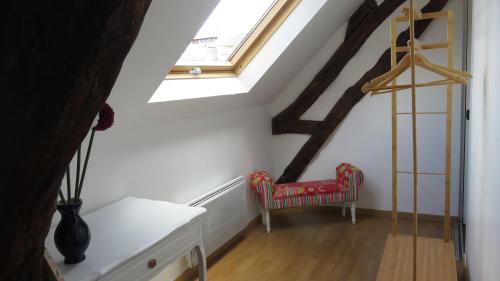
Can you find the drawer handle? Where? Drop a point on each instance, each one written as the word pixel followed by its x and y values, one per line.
pixel 152 263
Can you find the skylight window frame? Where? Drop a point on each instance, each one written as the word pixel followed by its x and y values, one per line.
pixel 247 49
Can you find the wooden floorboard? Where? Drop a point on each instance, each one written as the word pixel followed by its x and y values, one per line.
pixel 310 245
pixel 435 259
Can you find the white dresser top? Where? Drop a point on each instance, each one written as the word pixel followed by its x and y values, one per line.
pixel 122 231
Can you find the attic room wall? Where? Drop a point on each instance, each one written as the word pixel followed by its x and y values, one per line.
pixel 483 222
pixel 176 161
pixel 364 137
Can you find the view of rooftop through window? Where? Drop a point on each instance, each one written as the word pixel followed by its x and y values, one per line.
pixel 225 29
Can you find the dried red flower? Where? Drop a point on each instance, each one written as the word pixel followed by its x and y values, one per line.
pixel 106 118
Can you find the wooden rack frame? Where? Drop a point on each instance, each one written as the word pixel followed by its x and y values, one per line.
pixel 436 257
pixel 449 44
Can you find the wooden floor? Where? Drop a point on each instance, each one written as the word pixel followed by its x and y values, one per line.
pixel 310 245
pixel 435 259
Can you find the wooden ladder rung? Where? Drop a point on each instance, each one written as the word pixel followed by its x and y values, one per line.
pixel 421 173
pixel 425 16
pixel 422 113
pixel 427 46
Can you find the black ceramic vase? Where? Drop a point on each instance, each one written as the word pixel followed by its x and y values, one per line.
pixel 72 235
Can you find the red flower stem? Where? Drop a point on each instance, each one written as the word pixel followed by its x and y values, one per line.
pixel 79 191
pixel 68 183
pixel 78 156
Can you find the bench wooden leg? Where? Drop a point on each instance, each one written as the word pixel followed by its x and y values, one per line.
pixel 343 209
pixel 268 222
pixel 353 212
pixel 263 216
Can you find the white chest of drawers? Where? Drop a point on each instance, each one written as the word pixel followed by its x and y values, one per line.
pixel 134 239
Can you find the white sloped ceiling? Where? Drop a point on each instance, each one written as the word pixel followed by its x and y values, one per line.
pixel 167 30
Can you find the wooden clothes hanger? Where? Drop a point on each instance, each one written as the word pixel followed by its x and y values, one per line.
pixel 387 77
pixel 380 82
pixel 452 74
pixel 422 60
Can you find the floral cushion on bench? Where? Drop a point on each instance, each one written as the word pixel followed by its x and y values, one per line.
pixel 308 188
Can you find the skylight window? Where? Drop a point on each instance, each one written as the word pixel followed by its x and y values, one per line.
pixel 224 31
pixel 230 37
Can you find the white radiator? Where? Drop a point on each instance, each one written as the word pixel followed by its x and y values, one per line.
pixel 226 214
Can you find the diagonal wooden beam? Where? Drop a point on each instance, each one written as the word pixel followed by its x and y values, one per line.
pixel 339 60
pixel 359 16
pixel 58 63
pixel 307 127
pixel 367 14
pixel 348 100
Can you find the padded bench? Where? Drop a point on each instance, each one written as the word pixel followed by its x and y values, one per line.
pixel 343 190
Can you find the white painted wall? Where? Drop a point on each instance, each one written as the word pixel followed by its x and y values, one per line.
pixel 176 161
pixel 364 138
pixel 483 222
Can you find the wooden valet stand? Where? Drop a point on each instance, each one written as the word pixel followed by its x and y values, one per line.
pixel 412 257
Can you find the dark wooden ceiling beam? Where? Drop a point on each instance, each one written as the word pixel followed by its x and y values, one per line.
pixel 307 127
pixel 344 53
pixel 58 63
pixel 348 100
pixel 359 16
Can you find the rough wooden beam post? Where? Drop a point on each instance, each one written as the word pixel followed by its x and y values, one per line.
pixel 290 117
pixel 58 63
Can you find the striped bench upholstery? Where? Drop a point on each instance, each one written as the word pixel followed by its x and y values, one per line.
pixel 342 190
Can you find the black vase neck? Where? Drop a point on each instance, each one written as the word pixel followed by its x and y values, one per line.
pixel 69 207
